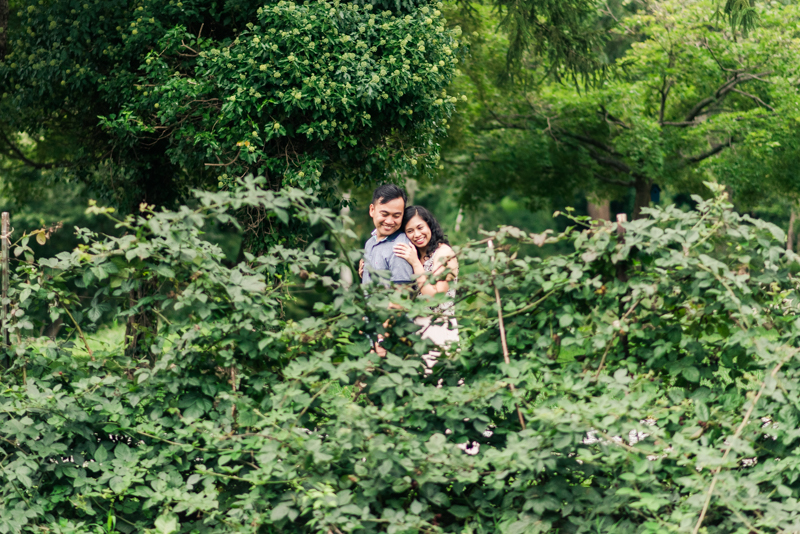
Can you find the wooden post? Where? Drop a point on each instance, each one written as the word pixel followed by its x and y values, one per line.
pixel 506 357
pixel 5 228
pixel 621 218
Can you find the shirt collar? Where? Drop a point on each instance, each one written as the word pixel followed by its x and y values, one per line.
pixel 381 240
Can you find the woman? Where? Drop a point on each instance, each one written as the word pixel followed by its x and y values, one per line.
pixel 431 255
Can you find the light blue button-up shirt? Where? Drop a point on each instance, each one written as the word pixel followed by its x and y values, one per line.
pixel 380 256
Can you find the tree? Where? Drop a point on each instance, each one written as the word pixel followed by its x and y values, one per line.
pixel 685 93
pixel 150 98
pixel 3 27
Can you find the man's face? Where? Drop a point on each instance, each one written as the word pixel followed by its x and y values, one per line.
pixel 387 216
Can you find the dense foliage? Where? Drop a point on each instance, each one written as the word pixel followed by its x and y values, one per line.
pixel 643 363
pixel 150 98
pixel 691 99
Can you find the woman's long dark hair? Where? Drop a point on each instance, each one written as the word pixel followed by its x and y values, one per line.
pixel 437 234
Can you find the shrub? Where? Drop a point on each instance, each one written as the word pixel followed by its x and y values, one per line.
pixel 648 367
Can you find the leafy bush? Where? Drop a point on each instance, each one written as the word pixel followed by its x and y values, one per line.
pixel 644 367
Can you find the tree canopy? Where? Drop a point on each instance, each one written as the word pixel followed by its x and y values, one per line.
pixel 692 99
pixel 153 97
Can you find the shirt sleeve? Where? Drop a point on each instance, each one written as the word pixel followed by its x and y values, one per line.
pixel 402 272
pixel 365 274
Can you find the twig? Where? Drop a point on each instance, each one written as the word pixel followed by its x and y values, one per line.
pixel 629 448
pixel 529 307
pixel 115 515
pixel 755 98
pixel 253 482
pixel 503 334
pixel 741 517
pixel 225 164
pixel 736 436
pixel 611 341
pixel 173 442
pixel 318 393
pixel 16 488
pixel 80 332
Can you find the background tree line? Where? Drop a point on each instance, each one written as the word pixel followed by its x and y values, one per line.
pixel 577 102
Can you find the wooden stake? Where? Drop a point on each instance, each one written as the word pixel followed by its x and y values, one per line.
pixel 5 228
pixel 736 435
pixel 506 357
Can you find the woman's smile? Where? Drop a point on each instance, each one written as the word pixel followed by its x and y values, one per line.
pixel 418 232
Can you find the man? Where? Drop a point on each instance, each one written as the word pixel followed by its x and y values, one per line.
pixel 386 210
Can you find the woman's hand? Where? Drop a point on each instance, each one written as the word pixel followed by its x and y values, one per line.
pixel 407 252
pixel 361 269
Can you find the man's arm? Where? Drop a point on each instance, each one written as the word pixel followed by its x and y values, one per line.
pixel 402 271
pixel 364 265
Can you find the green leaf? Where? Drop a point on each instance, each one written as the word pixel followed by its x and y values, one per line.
pixel 701 410
pixel 279 512
pixel 436 443
pixel 118 485
pixel 101 454
pixel 691 373
pixel 167 524
pixel 124 453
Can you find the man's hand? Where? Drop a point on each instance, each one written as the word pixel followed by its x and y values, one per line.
pixel 361 268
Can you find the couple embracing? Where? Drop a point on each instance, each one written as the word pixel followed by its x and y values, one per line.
pixel 410 244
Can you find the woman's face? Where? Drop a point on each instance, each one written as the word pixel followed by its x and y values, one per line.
pixel 418 232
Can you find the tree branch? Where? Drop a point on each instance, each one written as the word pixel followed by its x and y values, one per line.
pixel 473 160
pixel 720 93
pixel 755 98
pixel 592 142
pixel 607 161
pixel 610 162
pixel 716 149
pixel 17 153
pixel 680 124
pixel 505 126
pixel 608 117
pixel 611 181
pixel 665 87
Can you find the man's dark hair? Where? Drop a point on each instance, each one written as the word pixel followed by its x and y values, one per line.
pixel 388 192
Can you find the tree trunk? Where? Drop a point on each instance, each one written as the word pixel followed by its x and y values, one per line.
pixel 600 211
pixel 459 219
pixel 141 327
pixel 3 28
pixel 791 234
pixel 642 197
pixel 411 190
